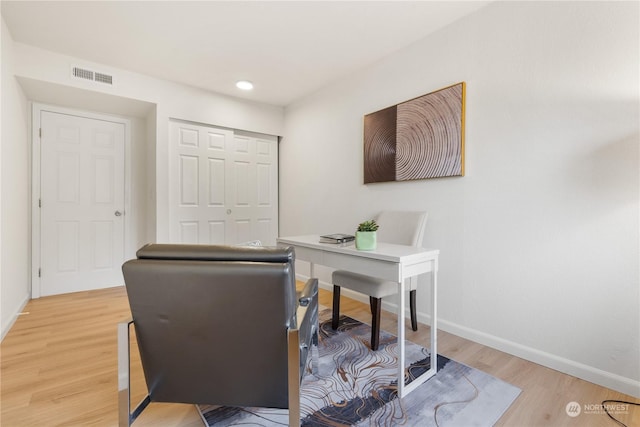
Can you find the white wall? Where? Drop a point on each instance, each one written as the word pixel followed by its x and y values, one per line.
pixel 15 195
pixel 539 241
pixel 33 74
pixel 171 100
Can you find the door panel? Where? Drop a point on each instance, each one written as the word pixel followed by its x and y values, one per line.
pixel 82 188
pixel 217 182
pixel 189 232
pixel 217 235
pixel 226 192
pixel 189 176
pixel 198 192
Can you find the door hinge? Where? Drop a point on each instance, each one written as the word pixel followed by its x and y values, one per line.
pixel 40 132
pixel 39 272
pixel 39 203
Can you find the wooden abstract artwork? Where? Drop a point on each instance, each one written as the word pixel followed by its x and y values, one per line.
pixel 417 139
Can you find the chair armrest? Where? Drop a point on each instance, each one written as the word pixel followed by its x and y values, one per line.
pixel 309 292
pixel 302 335
pixel 307 303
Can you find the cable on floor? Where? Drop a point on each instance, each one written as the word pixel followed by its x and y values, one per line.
pixel 439 405
pixel 606 411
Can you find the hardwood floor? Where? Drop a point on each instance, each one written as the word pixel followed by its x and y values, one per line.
pixel 59 368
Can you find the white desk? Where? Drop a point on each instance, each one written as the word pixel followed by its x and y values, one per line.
pixel 390 262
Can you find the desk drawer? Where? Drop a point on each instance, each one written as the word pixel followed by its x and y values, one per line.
pixel 371 267
pixel 309 255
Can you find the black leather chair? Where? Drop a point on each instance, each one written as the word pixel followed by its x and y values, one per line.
pixel 218 325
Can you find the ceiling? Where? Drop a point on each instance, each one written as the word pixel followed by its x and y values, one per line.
pixel 288 49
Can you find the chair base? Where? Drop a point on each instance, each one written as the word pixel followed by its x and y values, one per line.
pixel 376 306
pixel 125 416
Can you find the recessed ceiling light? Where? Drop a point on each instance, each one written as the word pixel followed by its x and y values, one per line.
pixel 244 85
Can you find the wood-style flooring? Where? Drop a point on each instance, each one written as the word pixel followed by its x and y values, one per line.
pixel 59 368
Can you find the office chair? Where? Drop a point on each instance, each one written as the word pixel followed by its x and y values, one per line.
pixel 403 228
pixel 217 325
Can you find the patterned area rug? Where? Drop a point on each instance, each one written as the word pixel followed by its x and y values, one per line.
pixel 355 386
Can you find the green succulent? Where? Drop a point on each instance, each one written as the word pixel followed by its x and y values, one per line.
pixel 370 225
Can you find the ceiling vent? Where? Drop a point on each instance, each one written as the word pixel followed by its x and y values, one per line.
pixel 103 78
pixel 94 76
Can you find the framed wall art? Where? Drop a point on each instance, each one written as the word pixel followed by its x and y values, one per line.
pixel 416 139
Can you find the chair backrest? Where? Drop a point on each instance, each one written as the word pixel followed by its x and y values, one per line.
pixel 401 227
pixel 211 322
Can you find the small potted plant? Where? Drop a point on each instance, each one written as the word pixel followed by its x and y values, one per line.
pixel 366 235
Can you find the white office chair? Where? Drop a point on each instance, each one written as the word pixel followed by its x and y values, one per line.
pixel 402 228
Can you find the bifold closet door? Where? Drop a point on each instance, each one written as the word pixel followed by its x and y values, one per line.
pixel 223 185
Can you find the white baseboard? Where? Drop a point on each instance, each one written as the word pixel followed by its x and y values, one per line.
pixel 561 364
pixel 567 366
pixel 6 328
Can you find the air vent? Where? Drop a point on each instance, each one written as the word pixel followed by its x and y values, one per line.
pixel 104 78
pixel 81 73
pixel 85 74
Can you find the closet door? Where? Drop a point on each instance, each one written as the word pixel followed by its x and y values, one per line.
pixel 223 185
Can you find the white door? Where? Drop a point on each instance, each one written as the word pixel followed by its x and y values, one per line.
pixel 224 185
pixel 82 203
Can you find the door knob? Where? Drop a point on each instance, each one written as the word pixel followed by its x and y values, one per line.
pixel 118 213
pixel 228 211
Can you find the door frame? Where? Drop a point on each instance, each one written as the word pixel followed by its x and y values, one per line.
pixel 36 164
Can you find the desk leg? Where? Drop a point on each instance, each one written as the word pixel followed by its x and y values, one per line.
pixel 403 389
pixel 401 360
pixel 434 316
